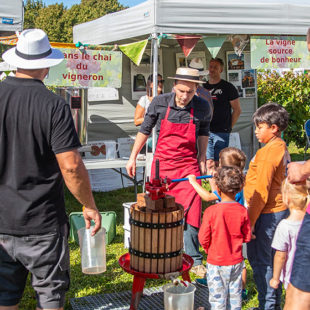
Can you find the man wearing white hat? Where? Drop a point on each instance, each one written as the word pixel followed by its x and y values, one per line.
pixel 182 123
pixel 38 151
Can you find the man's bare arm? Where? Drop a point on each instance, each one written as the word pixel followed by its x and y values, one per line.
pixel 139 143
pixel 76 178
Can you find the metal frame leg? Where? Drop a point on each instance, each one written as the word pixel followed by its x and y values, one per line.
pixel 135 185
pixel 137 292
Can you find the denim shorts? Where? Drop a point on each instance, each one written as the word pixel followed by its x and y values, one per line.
pixel 46 257
pixel 300 276
pixel 217 142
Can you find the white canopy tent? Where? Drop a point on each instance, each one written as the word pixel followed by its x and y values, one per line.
pixel 291 17
pixel 11 15
pixel 201 17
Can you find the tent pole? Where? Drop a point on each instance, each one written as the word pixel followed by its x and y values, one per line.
pixel 155 72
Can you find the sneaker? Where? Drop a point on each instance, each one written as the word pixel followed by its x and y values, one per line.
pixel 201 282
pixel 244 294
pixel 199 270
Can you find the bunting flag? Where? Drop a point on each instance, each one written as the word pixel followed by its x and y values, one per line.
pixel 239 42
pixel 214 44
pixel 134 50
pixel 187 43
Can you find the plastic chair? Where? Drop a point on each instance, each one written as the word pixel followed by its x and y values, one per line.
pixel 307 130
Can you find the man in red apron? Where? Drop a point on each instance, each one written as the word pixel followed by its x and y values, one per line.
pixel 182 123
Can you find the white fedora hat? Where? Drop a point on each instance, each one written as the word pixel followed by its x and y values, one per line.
pixel 196 63
pixel 33 51
pixel 187 74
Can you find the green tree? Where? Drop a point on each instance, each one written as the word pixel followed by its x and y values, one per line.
pixel 51 21
pixel 92 9
pixel 57 20
pixel 292 92
pixel 86 11
pixel 70 18
pixel 32 11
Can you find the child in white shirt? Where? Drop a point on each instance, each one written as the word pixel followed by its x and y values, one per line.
pixel 296 198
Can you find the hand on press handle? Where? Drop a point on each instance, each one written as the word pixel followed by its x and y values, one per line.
pixel 92 214
pixel 191 178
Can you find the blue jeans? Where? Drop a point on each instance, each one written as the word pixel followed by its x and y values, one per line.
pixel 260 256
pixel 300 276
pixel 217 142
pixel 191 243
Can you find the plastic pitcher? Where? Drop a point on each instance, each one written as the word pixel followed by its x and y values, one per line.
pixel 92 248
pixel 179 297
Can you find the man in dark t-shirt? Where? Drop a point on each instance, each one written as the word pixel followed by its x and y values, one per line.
pixel 38 152
pixel 225 114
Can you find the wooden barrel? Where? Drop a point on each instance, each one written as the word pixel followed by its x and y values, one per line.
pixel 156 239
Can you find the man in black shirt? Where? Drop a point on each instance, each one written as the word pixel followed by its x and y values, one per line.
pixel 182 123
pixel 38 151
pixel 225 114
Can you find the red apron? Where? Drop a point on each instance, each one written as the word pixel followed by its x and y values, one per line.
pixel 177 153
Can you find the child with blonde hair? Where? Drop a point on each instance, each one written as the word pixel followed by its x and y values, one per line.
pixel 296 198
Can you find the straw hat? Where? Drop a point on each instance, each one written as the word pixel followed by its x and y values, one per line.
pixel 33 51
pixel 196 63
pixel 187 74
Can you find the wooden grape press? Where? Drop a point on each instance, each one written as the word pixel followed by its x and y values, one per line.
pixel 156 238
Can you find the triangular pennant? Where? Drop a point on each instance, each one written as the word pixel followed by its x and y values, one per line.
pixel 187 43
pixel 214 44
pixel 239 42
pixel 134 50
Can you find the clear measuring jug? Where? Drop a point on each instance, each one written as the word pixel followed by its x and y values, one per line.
pixel 92 249
pixel 179 297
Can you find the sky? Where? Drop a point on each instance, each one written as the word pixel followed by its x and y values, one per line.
pixel 69 3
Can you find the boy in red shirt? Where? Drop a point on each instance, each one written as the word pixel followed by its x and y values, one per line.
pixel 225 226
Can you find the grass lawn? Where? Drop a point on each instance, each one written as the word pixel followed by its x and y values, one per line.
pixel 114 279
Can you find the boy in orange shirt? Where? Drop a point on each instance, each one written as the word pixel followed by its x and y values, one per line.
pixel 262 192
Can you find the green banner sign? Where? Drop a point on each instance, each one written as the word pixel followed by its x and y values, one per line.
pixel 271 52
pixel 89 68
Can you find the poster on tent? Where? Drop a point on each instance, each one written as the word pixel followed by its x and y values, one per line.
pixel 234 77
pixel 278 52
pixel 91 68
pixel 237 67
